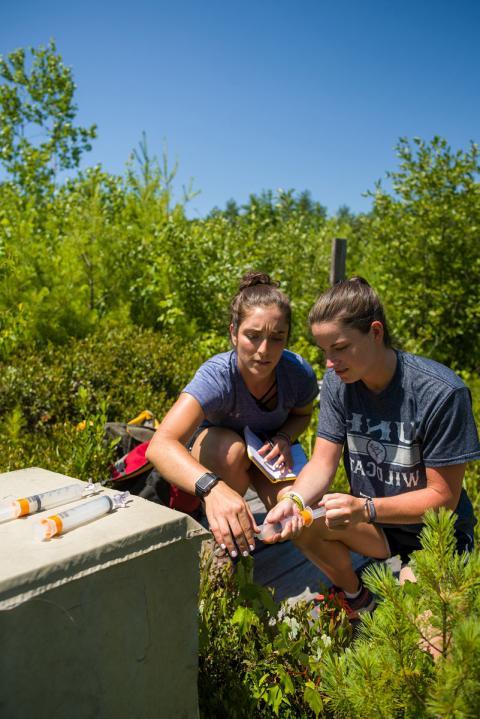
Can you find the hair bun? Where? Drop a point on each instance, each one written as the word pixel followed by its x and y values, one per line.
pixel 257 289
pixel 359 280
pixel 250 279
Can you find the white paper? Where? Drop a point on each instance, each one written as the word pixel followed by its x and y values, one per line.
pixel 254 443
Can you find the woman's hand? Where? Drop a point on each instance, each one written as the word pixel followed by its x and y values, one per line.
pixel 277 453
pixel 230 520
pixel 285 512
pixel 342 510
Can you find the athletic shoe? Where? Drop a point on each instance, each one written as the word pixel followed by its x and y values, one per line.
pixel 336 600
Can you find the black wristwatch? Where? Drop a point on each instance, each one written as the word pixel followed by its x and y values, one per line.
pixel 205 484
pixel 371 511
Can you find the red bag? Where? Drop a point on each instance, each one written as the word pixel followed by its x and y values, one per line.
pixel 135 470
pixel 132 464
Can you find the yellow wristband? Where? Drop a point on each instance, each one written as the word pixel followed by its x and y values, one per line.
pixel 296 499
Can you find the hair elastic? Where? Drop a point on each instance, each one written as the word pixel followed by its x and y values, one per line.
pixel 285 436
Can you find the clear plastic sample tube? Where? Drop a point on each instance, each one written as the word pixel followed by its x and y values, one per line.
pixel 268 529
pixel 71 518
pixel 36 502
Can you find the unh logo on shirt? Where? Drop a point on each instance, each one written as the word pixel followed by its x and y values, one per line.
pixel 376 451
pixel 384 453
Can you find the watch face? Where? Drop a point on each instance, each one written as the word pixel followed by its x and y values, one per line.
pixel 205 483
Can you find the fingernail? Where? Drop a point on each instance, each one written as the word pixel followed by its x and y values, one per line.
pixel 223 546
pixel 233 553
pixel 245 553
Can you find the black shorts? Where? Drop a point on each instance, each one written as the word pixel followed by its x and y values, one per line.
pixel 403 543
pixel 194 436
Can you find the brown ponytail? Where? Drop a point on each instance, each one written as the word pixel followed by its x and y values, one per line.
pixel 352 302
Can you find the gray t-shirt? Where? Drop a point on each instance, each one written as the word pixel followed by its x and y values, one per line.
pixel 219 388
pixel 423 418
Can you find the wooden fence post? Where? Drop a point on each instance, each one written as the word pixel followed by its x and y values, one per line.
pixel 339 256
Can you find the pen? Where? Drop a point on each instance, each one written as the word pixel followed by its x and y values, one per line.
pixel 271 444
pixel 267 440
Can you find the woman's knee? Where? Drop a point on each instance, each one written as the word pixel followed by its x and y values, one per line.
pixel 233 464
pixel 221 449
pixel 233 454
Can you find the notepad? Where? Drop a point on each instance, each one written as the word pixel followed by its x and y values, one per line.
pixel 254 443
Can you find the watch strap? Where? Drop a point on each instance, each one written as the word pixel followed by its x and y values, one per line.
pixel 370 510
pixel 205 483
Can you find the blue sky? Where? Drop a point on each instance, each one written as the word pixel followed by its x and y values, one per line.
pixel 264 94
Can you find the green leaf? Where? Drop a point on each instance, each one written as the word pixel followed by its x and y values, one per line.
pixel 275 698
pixel 245 618
pixel 312 697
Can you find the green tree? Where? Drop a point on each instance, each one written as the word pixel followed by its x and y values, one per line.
pixel 419 248
pixel 418 655
pixel 38 137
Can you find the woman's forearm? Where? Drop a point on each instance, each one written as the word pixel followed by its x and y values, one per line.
pixel 443 489
pixel 316 477
pixel 312 483
pixel 167 450
pixel 173 461
pixel 408 508
pixel 444 485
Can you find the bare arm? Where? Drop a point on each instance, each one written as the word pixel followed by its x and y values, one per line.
pixel 444 485
pixel 229 516
pixel 311 484
pixel 167 450
pixel 317 476
pixel 443 489
pixel 297 421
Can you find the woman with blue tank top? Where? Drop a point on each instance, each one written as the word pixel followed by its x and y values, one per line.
pixel 406 430
pixel 199 445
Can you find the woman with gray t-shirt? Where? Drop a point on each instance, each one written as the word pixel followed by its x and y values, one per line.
pixel 199 446
pixel 406 430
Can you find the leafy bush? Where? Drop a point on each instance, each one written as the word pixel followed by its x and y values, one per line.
pixel 125 367
pixel 111 375
pixel 417 656
pixel 64 448
pixel 259 658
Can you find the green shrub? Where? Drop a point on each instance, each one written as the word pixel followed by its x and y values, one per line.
pixel 62 447
pixel 390 671
pixel 261 659
pixel 111 375
pixel 258 658
pixel 127 368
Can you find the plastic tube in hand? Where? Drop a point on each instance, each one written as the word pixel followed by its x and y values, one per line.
pixel 269 529
pixel 30 505
pixel 71 518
